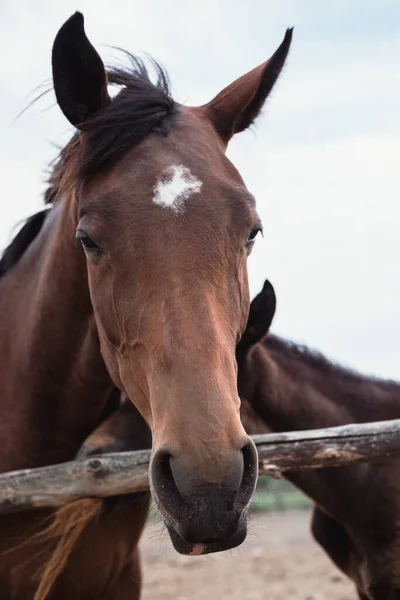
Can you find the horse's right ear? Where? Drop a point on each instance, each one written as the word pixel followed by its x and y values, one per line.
pixel 79 76
pixel 262 311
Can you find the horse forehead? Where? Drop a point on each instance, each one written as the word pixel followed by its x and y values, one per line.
pixel 161 191
pixel 187 167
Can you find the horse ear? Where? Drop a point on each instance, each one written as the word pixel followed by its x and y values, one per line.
pixel 262 311
pixel 237 106
pixel 79 76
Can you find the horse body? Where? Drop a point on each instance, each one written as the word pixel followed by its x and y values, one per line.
pixel 164 219
pixel 357 508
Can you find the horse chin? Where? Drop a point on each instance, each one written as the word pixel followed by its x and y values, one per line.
pixel 208 547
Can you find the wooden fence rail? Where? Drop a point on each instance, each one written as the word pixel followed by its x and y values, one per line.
pixel 126 472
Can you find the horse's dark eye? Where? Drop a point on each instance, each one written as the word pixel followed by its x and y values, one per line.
pixel 88 244
pixel 252 236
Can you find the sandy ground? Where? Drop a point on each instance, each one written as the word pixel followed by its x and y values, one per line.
pixel 278 561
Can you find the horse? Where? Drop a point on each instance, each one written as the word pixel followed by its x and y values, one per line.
pixel 356 511
pixel 135 278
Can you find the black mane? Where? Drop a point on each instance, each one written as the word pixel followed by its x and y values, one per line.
pixel 138 109
pixel 305 356
pixel 22 240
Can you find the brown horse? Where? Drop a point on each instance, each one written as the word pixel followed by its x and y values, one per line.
pixel 357 509
pixel 153 305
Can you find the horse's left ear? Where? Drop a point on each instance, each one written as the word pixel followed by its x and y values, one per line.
pixel 79 76
pixel 237 106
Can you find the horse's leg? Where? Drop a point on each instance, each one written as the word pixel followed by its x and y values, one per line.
pixel 332 537
pixel 334 540
pixel 383 587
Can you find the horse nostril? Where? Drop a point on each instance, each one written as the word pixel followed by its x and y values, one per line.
pixel 202 505
pixel 163 480
pixel 250 465
pixel 161 468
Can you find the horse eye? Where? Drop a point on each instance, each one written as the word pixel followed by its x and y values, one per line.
pixel 252 236
pixel 88 244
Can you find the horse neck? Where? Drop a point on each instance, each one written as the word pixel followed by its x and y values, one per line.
pixel 292 392
pixel 298 390
pixel 54 382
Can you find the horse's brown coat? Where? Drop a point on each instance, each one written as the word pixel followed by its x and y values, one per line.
pixel 357 509
pixel 158 314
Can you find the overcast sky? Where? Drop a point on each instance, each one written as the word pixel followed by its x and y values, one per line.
pixel 323 160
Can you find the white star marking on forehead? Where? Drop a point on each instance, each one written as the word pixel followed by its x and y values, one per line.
pixel 176 185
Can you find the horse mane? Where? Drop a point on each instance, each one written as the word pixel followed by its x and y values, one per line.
pixel 139 108
pixel 301 355
pixel 22 240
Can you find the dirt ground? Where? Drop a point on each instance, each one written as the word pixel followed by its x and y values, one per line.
pixel 278 561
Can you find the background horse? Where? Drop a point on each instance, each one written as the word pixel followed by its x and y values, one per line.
pixel 154 305
pixel 357 509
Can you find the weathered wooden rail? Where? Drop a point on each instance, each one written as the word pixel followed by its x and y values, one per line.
pixel 126 472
